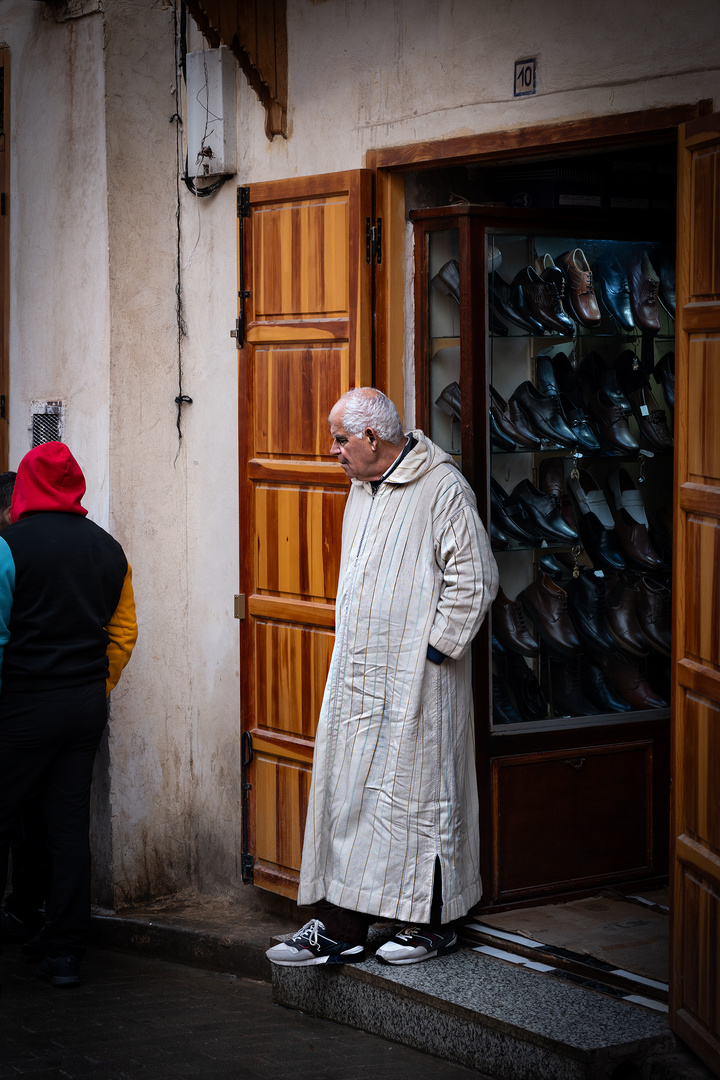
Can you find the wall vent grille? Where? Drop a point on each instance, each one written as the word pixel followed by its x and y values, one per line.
pixel 46 421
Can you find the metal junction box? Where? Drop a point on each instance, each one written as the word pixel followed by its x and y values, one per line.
pixel 211 135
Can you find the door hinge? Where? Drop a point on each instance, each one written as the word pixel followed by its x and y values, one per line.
pixel 247 869
pixel 373 240
pixel 243 202
pixel 239 607
pixel 2 406
pixel 3 204
pixel 247 861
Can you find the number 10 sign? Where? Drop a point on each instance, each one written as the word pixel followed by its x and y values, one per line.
pixel 525 77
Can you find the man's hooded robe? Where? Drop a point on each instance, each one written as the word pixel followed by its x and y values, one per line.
pixel 393 783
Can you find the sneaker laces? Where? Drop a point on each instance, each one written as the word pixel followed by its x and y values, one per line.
pixel 312 929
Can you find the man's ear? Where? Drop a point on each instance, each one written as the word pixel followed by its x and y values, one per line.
pixel 371 436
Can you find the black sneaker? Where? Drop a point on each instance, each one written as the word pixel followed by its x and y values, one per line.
pixel 416 943
pixel 313 945
pixel 12 928
pixel 60 970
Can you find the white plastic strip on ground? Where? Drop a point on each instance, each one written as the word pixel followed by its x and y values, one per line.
pixel 484 928
pixel 512 957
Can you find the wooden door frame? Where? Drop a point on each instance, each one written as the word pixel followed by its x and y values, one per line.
pixel 540 141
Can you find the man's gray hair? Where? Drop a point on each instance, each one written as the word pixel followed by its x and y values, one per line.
pixel 365 407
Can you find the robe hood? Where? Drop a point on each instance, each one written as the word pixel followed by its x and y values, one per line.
pixel 48 478
pixel 423 457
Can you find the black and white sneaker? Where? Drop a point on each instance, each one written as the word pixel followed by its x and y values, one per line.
pixel 416 943
pixel 313 945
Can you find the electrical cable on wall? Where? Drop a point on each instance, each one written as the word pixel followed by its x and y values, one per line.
pixel 182 398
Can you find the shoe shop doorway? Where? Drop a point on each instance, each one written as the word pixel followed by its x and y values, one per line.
pixel 560 287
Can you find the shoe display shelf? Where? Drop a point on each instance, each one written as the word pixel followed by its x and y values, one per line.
pixel 591 377
pixel 544 364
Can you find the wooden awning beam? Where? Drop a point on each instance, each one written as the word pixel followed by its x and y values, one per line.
pixel 255 31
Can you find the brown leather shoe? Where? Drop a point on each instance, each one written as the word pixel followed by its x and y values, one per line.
pixel 612 422
pixel 631 684
pixel 653 606
pixel 631 523
pixel 621 599
pixel 579 289
pixel 508 623
pixel 644 284
pixel 545 603
pixel 651 419
pixel 500 410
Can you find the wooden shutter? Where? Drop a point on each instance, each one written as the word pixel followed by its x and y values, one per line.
pixel 695 949
pixel 308 340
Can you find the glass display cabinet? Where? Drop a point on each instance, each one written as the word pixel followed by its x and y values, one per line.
pixel 545 367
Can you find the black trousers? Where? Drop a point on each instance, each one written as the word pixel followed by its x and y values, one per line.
pixel 48 743
pixel 352 926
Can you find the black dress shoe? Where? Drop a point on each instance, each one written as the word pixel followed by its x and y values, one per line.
pixel 531 702
pixel 596 524
pixel 567 378
pixel 581 426
pixel 548 564
pixel 544 513
pixel 544 413
pixel 498 438
pixel 598 690
pixel 614 290
pixel 498 539
pixel 567 696
pixel 664 372
pixel 586 605
pixel 599 376
pixel 540 297
pixel 501 303
pixel 520 526
pixel 666 270
pixel 503 710
pixel 630 372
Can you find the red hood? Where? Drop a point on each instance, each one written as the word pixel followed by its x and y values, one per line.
pixel 48 478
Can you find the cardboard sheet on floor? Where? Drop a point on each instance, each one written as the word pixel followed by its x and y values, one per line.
pixel 623 934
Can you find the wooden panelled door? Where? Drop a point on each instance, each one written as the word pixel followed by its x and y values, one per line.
pixel 307 336
pixel 695 949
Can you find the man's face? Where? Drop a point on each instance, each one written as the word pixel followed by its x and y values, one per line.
pixel 4 518
pixel 356 455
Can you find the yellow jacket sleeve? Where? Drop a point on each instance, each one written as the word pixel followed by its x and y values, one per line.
pixel 123 632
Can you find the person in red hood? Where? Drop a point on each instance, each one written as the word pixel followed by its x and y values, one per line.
pixel 67 629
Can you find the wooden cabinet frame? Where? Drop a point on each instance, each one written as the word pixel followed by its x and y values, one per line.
pixel 558 740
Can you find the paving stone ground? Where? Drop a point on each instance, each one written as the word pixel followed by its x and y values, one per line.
pixel 136 1018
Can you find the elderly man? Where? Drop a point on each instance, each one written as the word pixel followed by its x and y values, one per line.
pixel 392 823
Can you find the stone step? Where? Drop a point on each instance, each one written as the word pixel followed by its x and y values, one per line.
pixel 510 1021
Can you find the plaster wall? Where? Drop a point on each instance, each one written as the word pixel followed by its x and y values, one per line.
pixel 375 73
pixel 174 741
pixel 59 312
